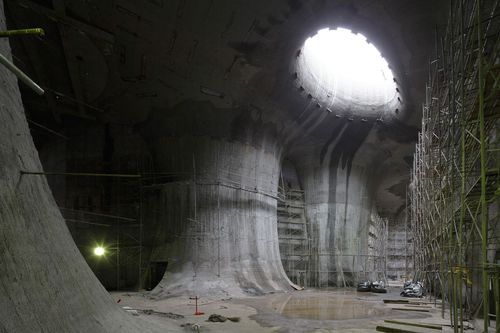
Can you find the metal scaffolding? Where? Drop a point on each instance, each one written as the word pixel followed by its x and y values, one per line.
pixel 454 190
pixel 306 264
pixel 378 246
pixel 294 235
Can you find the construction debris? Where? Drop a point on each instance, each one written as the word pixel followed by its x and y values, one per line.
pixel 364 286
pixel 216 318
pixel 130 310
pixel 163 314
pixel 194 327
pixel 413 289
pixel 376 287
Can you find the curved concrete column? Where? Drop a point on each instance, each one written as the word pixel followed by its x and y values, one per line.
pixel 338 205
pixel 45 285
pixel 216 220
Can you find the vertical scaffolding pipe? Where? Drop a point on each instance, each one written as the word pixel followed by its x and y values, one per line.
pixel 496 287
pixel 452 112
pixel 482 139
pixel 218 229
pixel 406 234
pixel 140 235
pixel 118 256
pixel 463 124
pixel 218 212
pixel 197 228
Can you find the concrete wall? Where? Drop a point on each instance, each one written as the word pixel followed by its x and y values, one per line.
pixel 45 285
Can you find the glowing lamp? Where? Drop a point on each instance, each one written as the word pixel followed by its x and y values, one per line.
pixel 99 251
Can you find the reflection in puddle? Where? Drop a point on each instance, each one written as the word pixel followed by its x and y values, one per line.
pixel 327 308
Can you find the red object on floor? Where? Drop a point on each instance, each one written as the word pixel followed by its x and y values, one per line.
pixel 196 312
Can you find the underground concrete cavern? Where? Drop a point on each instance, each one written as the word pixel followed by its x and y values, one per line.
pixel 201 148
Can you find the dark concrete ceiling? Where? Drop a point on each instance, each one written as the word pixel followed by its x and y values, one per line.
pixel 117 61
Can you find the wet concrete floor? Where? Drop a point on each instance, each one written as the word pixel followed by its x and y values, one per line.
pixel 325 310
pixel 328 307
pixel 301 311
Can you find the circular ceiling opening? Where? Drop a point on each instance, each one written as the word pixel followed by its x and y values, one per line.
pixel 347 74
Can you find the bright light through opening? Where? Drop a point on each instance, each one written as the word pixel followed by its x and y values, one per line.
pixel 99 251
pixel 347 72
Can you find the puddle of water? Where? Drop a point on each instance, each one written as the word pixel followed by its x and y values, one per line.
pixel 328 308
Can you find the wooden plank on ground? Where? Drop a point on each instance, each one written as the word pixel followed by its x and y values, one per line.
pixel 419 306
pixel 387 329
pixel 431 326
pixel 411 309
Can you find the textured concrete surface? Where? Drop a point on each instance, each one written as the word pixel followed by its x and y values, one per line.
pixel 45 285
pixel 339 200
pixel 142 58
pixel 216 220
pixel 331 310
pixel 210 86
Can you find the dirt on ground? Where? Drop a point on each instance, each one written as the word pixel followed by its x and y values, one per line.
pixel 339 310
